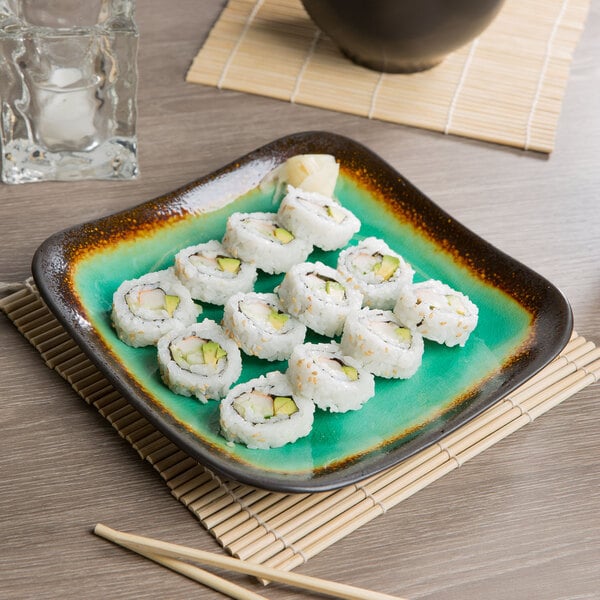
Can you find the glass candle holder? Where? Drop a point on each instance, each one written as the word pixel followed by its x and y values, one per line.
pixel 68 84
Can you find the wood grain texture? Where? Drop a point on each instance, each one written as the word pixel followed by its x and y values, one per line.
pixel 520 521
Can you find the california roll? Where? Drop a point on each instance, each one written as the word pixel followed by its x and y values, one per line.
pixel 211 274
pixel 318 297
pixel 382 343
pixel 333 381
pixel 259 238
pixel 260 326
pixel 146 308
pixel 438 312
pixel 374 269
pixel 200 361
pixel 264 413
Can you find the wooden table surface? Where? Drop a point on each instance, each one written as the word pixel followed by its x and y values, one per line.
pixel 520 521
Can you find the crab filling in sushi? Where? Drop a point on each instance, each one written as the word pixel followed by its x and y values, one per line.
pixel 392 333
pixel 375 267
pixel 337 368
pixel 151 303
pixel 270 230
pixel 328 209
pixel 194 353
pixel 326 286
pixel 447 302
pixel 258 407
pixel 225 264
pixel 264 314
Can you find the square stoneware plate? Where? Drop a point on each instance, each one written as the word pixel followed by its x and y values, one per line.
pixel 524 321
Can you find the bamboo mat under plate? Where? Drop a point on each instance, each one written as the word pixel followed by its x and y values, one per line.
pixel 285 530
pixel 505 87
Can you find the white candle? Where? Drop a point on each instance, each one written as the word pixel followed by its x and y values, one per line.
pixel 67 106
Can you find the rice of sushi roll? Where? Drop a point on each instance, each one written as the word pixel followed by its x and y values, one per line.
pixel 212 274
pixel 260 327
pixel 318 297
pixel 382 343
pixel 264 413
pixel 376 270
pixel 200 361
pixel 310 172
pixel 331 380
pixel 145 309
pixel 324 222
pixel 260 239
pixel 438 312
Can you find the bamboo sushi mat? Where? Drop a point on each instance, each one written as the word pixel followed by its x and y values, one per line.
pixel 285 530
pixel 505 87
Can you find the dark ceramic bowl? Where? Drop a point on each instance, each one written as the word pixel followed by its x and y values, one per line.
pixel 401 36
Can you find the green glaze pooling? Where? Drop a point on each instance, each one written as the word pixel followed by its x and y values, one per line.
pixel 399 407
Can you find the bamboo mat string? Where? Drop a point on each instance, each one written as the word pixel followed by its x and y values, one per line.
pixel 309 55
pixel 239 41
pixel 460 85
pixel 286 530
pixel 543 72
pixel 374 95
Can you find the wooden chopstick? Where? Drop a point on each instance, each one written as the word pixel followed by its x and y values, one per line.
pixel 158 548
pixel 200 575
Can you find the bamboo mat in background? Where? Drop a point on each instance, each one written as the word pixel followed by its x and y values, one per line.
pixel 285 530
pixel 505 87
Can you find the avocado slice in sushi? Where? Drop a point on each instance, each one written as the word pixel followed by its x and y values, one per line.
pixel 254 406
pixel 350 372
pixel 335 213
pixel 229 264
pixel 335 289
pixel 171 303
pixel 387 267
pixel 278 319
pixel 284 405
pixel 212 352
pixel 404 334
pixel 155 299
pixel 283 235
pixel 196 351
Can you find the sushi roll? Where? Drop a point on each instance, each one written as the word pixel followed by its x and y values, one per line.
pixel 376 270
pixel 309 172
pixel 259 238
pixel 145 309
pixel 438 312
pixel 322 221
pixel 331 380
pixel 317 296
pixel 212 274
pixel 260 327
pixel 382 344
pixel 264 413
pixel 199 361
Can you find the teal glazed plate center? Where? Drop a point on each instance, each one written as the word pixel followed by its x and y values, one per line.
pixel 524 321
